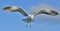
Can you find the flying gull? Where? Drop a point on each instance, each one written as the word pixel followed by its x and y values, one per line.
pixel 30 17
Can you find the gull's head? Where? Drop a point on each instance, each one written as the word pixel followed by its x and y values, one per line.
pixel 11 8
pixel 32 16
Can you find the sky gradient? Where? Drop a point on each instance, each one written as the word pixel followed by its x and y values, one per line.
pixel 12 21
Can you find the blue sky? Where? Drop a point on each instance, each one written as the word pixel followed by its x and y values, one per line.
pixel 13 21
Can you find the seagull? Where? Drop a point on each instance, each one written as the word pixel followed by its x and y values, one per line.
pixel 30 17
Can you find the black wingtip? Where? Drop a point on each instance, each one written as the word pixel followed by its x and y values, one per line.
pixel 56 13
pixel 6 8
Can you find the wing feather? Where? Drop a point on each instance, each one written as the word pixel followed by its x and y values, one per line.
pixel 15 9
pixel 23 12
pixel 47 12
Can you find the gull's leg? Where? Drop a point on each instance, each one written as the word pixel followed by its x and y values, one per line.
pixel 26 25
pixel 30 25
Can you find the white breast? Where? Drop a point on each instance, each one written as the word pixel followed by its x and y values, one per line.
pixel 32 16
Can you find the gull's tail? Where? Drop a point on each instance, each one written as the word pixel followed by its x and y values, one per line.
pixel 28 21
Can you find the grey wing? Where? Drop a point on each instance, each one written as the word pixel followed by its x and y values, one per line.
pixel 15 9
pixel 48 12
pixel 23 12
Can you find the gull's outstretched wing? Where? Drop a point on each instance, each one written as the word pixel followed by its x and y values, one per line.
pixel 47 11
pixel 15 9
